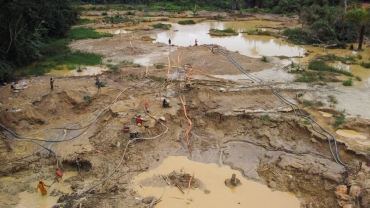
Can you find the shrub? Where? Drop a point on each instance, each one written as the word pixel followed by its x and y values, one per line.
pixel 264 59
pixel 347 82
pixel 186 22
pixel 159 65
pixel 365 64
pixel 358 78
pixel 87 98
pixel 339 119
pixel 104 14
pixel 318 65
pixel 162 26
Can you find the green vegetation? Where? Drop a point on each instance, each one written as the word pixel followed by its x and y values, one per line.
pixel 187 22
pixel 114 68
pixel 162 26
pixel 159 65
pixel 87 98
pixel 307 103
pixel 358 78
pixel 266 117
pixel 333 99
pixel 348 59
pixel 365 64
pixel 259 32
pixel 264 59
pixel 126 63
pixel 85 33
pixel 225 32
pixel 156 78
pixel 339 119
pixel 348 82
pixel 318 65
pixel 59 56
pixel 359 57
pixel 84 21
pixel 118 19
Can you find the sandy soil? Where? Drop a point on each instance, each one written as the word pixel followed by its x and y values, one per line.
pixel 245 127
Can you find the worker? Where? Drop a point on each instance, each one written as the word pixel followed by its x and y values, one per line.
pixel 78 163
pixel 196 42
pixel 42 188
pixel 165 104
pixel 139 122
pixel 147 106
pixel 59 174
pixel 51 83
pixel 169 41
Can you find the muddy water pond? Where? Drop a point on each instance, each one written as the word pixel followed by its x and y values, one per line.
pixel 210 190
pixel 249 45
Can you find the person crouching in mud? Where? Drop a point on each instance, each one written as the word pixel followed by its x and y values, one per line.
pixel 41 186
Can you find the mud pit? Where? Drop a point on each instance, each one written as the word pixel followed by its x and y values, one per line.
pixel 244 127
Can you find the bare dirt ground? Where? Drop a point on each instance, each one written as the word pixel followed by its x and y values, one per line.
pixel 244 126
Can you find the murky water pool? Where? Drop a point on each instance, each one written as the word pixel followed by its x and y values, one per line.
pixel 36 200
pixel 216 193
pixel 88 70
pixel 249 45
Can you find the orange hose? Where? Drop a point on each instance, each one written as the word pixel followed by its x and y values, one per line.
pixel 190 124
pixel 133 47
pixel 191 178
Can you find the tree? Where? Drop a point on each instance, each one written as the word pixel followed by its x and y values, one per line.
pixel 361 18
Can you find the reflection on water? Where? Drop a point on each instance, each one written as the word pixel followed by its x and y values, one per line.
pixel 250 45
pixel 249 194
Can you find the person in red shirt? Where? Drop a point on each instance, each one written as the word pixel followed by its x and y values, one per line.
pixel 59 174
pixel 138 120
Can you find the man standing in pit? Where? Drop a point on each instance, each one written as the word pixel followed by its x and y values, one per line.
pixel 51 84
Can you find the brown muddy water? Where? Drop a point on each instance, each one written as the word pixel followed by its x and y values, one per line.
pixel 249 45
pixel 212 192
pixel 31 199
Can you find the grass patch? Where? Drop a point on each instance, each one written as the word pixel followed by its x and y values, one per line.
pixel 118 19
pixel 259 32
pixel 365 64
pixel 318 65
pixel 359 57
pixel 333 99
pixel 264 59
pixel 57 55
pixel 159 65
pixel 225 32
pixel 162 26
pixel 358 78
pixel 85 33
pixel 339 119
pixel 114 68
pixel 126 63
pixel 187 22
pixel 87 98
pixel 84 21
pixel 156 78
pixel 307 103
pixel 348 82
pixel 265 117
pixel 348 59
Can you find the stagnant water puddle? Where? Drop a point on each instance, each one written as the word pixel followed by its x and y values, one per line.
pixel 211 190
pixel 36 200
pixel 249 45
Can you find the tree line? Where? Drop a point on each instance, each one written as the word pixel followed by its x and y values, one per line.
pixel 26 26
